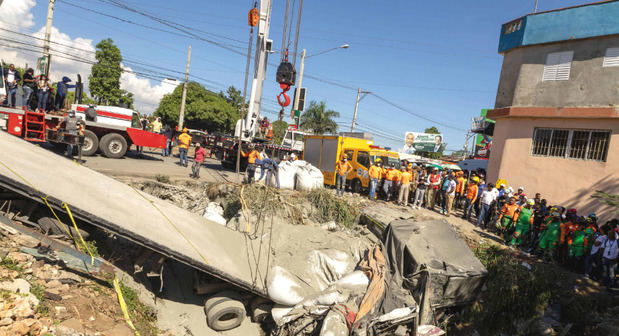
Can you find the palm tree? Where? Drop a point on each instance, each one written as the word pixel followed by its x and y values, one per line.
pixel 318 119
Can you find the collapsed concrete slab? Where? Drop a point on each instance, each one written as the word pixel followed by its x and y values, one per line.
pixel 109 204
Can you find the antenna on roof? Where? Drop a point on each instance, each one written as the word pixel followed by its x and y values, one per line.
pixel 535 9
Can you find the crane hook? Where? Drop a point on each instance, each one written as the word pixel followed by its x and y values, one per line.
pixel 285 87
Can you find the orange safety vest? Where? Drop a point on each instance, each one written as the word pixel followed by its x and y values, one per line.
pixel 508 210
pixel 343 168
pixel 471 192
pixel 460 185
pixel 434 178
pixel 406 178
pixel 391 175
pixel 252 156
pixel 374 172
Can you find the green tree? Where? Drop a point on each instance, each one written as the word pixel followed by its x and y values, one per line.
pixel 432 130
pixel 204 109
pixel 234 97
pixel 608 199
pixel 105 74
pixel 279 130
pixel 318 119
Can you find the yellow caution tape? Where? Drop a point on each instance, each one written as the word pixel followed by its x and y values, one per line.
pixel 58 219
pixel 123 306
pixel 92 258
pixel 172 224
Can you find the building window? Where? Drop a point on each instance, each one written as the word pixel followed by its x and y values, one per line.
pixel 512 27
pixel 611 58
pixel 572 144
pixel 558 66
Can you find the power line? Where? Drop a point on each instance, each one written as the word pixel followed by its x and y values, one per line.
pixel 416 114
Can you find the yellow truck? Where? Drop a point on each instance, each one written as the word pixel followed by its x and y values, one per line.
pixel 323 151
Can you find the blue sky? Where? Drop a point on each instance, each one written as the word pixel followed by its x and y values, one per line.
pixel 435 58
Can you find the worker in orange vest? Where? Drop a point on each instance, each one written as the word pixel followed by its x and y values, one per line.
pixel 471 196
pixel 342 168
pixel 390 176
pixel 460 183
pixel 567 231
pixel 252 156
pixel 507 218
pixel 405 182
pixel 375 174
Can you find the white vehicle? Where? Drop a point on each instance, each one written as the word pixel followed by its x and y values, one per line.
pixel 473 164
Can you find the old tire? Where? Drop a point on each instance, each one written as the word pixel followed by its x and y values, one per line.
pixel 224 311
pixel 113 145
pixel 356 186
pixel 91 143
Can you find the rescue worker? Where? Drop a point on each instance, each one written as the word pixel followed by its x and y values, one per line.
pixel 460 183
pixel 450 194
pixel 524 221
pixel 156 126
pixel 252 156
pixel 434 179
pixel 567 231
pixel 71 125
pixel 198 158
pixel 342 168
pixel 405 182
pixel 471 197
pixel 184 140
pixel 390 176
pixel 270 168
pixel 374 173
pixel 578 247
pixel 509 214
pixel 590 232
pixel 550 232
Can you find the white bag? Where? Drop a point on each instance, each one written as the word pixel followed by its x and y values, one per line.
pixel 287 174
pixel 309 177
pixel 214 212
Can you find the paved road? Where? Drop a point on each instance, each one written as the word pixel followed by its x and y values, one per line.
pixel 150 163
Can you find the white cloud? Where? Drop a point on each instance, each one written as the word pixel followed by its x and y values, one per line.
pixel 146 96
pixel 68 55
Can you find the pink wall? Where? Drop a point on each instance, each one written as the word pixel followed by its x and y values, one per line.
pixel 567 182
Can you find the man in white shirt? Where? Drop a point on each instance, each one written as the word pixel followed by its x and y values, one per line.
pixel 609 258
pixel 486 198
pixel 592 258
pixel 451 193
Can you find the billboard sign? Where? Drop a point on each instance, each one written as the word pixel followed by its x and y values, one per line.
pixel 483 142
pixel 422 142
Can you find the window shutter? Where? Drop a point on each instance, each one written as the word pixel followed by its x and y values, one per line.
pixel 558 66
pixel 611 59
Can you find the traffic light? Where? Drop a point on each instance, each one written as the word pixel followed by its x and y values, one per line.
pixel 301 105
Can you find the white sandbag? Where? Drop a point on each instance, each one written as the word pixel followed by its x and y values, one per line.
pixel 278 312
pixel 309 178
pixel 354 281
pixel 283 287
pixel 327 266
pixel 334 324
pixel 287 174
pixel 214 212
pixel 299 163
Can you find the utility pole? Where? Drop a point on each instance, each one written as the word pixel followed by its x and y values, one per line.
pixel 48 33
pixel 535 9
pixel 181 117
pixel 297 93
pixel 354 116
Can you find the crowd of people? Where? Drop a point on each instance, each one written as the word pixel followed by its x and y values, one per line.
pixel 529 223
pixel 38 91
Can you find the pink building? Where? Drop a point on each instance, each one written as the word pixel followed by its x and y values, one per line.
pixel 557 106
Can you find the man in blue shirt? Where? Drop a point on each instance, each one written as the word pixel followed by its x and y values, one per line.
pixel 61 91
pixel 271 168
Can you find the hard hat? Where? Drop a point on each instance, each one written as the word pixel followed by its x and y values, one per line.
pixel 392 164
pixel 475 179
pixel 502 185
pixel 345 158
pixel 572 211
pixel 531 202
pixel 592 215
pixel 185 130
pixel 521 188
pixel 378 160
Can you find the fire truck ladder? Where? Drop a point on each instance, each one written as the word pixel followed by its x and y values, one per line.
pixel 34 129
